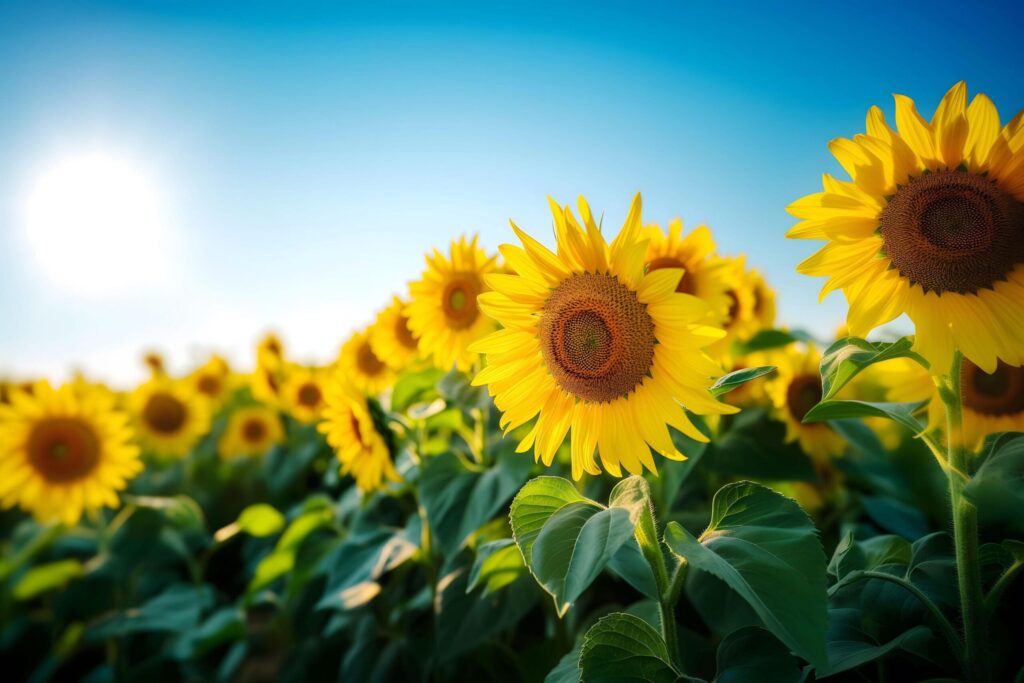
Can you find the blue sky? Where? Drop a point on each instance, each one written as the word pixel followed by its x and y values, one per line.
pixel 310 153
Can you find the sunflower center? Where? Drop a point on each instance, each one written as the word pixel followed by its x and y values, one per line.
pixel 803 393
pixel 209 385
pixel 310 395
pixel 254 430
pixel 368 361
pixel 687 283
pixel 1001 393
pixel 953 232
pixel 355 427
pixel 164 413
pixel 597 339
pixel 63 449
pixel 403 334
pixel 459 301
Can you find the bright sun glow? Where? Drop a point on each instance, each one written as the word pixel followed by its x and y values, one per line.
pixel 96 223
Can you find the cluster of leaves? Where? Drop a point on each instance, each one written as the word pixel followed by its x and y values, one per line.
pixel 478 565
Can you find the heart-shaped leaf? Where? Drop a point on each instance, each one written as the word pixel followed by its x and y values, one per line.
pixel 623 648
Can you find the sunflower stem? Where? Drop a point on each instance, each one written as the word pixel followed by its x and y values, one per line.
pixel 646 532
pixel 965 530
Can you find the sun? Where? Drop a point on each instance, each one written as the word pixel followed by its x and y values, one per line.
pixel 95 223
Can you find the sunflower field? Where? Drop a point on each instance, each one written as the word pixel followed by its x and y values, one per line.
pixel 599 460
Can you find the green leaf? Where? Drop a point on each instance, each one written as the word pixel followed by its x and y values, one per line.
pixel 624 648
pixel 497 564
pixel 458 500
pixel 568 668
pixel 849 646
pixel 415 387
pixel 997 488
pixel 177 610
pixel 903 413
pixel 302 526
pixel 736 378
pixel 765 548
pixel 260 520
pixel 769 339
pixel 878 551
pixel 574 546
pixel 754 447
pixel 540 498
pixel 630 565
pixel 180 511
pixel 754 654
pixel 848 357
pixel 46 577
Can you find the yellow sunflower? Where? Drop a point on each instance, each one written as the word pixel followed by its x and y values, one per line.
pixel 390 337
pixel 303 393
pixel 169 417
pixel 765 308
pixel 212 381
pixel 270 350
pixel 992 402
pixel 704 276
pixel 155 362
pixel 443 312
pixel 251 431
pixel 932 225
pixel 64 451
pixel 596 344
pixel 361 365
pixel 358 435
pixel 794 389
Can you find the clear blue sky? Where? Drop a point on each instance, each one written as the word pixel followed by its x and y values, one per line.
pixel 311 153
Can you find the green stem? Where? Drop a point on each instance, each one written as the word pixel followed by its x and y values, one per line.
pixel 646 533
pixel 952 639
pixel 992 599
pixel 965 530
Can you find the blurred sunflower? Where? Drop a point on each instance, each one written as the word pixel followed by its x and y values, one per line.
pixel 932 225
pixel 390 336
pixel 795 388
pixel 212 381
pixel 594 343
pixel 355 428
pixel 992 402
pixel 303 394
pixel 704 276
pixel 738 319
pixel 63 452
pixel 169 417
pixel 764 310
pixel 363 368
pixel 270 350
pixel 9 389
pixel 251 431
pixel 155 362
pixel 443 312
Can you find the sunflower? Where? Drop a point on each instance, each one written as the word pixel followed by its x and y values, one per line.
pixel 303 394
pixel 212 381
pixel 270 350
pixel 64 451
pixel 764 309
pixel 390 336
pixel 443 312
pixel 595 343
pixel 932 225
pixel 169 417
pixel 992 402
pixel 794 389
pixel 363 368
pixel 704 275
pixel 251 431
pixel 155 362
pixel 355 428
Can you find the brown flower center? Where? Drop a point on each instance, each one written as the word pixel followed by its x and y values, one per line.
pixel 597 339
pixel 687 283
pixel 953 232
pixel 1001 393
pixel 63 449
pixel 403 334
pixel 354 424
pixel 367 360
pixel 459 300
pixel 803 393
pixel 209 385
pixel 254 430
pixel 164 413
pixel 309 395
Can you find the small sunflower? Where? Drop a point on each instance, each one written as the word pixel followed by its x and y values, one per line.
pixel 355 428
pixel 270 350
pixel 155 362
pixel 169 417
pixel 794 390
pixel 391 338
pixel 992 402
pixel 64 451
pixel 765 308
pixel 212 381
pixel 704 275
pixel 303 394
pixel 443 312
pixel 932 225
pixel 361 365
pixel 596 344
pixel 251 431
